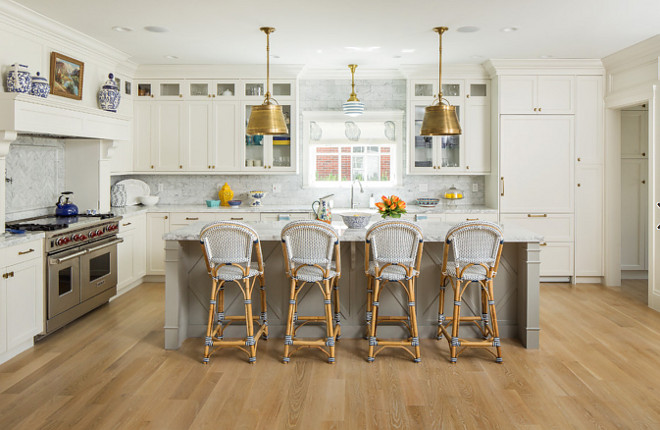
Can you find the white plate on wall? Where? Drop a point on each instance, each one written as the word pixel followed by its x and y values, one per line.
pixel 134 189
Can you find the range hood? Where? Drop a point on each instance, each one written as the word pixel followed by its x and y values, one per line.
pixel 26 114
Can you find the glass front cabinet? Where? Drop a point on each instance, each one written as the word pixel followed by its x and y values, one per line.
pixel 451 154
pixel 265 154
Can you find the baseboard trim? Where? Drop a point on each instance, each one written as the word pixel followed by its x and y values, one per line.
pixel 634 274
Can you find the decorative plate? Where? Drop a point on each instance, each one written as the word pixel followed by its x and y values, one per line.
pixel 134 189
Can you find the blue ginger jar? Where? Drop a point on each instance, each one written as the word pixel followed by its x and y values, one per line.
pixel 109 95
pixel 18 79
pixel 40 86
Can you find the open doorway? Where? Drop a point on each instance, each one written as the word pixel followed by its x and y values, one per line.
pixel 634 201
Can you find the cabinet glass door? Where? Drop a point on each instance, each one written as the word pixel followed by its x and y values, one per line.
pixel 423 150
pixel 282 143
pixel 199 89
pixel 450 148
pixel 255 155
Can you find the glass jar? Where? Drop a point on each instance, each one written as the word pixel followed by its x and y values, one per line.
pixel 452 195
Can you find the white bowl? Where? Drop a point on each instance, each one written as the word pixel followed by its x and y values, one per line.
pixel 148 200
pixel 356 219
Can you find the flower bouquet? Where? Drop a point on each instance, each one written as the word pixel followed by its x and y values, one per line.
pixel 391 206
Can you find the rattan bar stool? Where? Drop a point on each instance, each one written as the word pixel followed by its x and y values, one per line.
pixel 227 248
pixel 308 248
pixel 471 257
pixel 396 249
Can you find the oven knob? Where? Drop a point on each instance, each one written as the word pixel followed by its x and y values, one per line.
pixel 60 241
pixel 99 232
pixel 82 237
pixel 66 240
pixel 92 233
pixel 75 237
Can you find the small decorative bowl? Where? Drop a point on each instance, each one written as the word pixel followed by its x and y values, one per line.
pixel 234 203
pixel 213 203
pixel 356 219
pixel 148 200
pixel 427 202
pixel 256 197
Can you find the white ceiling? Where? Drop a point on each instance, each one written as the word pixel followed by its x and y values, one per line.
pixel 321 33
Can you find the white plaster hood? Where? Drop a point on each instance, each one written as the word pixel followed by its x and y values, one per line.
pixel 28 114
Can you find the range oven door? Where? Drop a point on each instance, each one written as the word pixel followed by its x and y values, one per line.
pixel 98 268
pixel 63 281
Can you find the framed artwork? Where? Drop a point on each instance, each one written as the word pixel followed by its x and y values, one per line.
pixel 66 76
pixel 127 87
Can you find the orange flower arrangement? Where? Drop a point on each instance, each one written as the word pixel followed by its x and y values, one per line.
pixel 391 206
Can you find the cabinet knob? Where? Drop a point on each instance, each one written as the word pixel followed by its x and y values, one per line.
pixel 151 95
pixel 579 159
pixel 643 154
pixel 535 109
pixel 539 109
pixel 467 96
pixel 180 166
pixel 209 95
pixel 209 166
pixel 180 95
pixel 643 181
pixel 578 185
pixel 467 167
pixel 152 166
pixel 213 95
pixel 166 217
pixel 214 167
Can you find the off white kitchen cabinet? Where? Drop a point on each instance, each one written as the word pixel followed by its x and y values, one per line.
pixel 269 154
pixel 476 130
pixel 21 297
pixel 142 139
pixel 132 252
pixel 634 230
pixel 286 216
pixel 536 163
pixel 167 118
pixel 589 220
pixel 549 95
pixel 157 225
pixel 634 134
pixel 224 151
pixel 197 140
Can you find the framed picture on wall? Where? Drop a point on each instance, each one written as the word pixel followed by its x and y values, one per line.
pixel 127 88
pixel 66 76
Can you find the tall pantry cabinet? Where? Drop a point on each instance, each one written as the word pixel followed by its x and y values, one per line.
pixel 551 160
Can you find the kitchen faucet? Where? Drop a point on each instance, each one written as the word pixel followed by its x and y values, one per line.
pixel 353 204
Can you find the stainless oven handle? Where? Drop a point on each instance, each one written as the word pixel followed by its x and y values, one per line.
pixel 105 245
pixel 68 257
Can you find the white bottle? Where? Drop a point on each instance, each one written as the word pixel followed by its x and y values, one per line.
pixel 372 201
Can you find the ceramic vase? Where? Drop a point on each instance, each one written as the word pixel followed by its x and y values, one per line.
pixel 18 79
pixel 109 95
pixel 39 87
pixel 225 194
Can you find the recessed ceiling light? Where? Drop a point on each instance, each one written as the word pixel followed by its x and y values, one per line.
pixel 467 29
pixel 156 29
pixel 121 29
pixel 362 49
pixel 396 56
pixel 407 51
pixel 319 51
pixel 171 57
pixel 509 29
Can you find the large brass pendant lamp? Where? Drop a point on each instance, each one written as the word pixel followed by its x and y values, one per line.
pixel 353 106
pixel 267 118
pixel 440 117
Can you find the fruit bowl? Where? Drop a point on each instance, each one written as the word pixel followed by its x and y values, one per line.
pixel 356 219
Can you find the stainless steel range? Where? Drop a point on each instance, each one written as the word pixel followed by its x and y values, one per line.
pixel 81 263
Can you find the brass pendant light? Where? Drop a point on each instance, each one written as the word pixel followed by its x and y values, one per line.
pixel 353 106
pixel 440 119
pixel 267 118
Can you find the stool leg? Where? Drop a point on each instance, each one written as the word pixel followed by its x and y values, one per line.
pixel 493 317
pixel 264 306
pixel 329 330
pixel 220 309
pixel 369 307
pixel 456 320
pixel 249 324
pixel 209 327
pixel 374 318
pixel 412 308
pixel 441 306
pixel 335 286
pixel 484 310
pixel 288 335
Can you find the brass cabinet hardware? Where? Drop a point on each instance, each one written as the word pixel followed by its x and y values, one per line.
pixel 467 96
pixel 213 95
pixel 467 167
pixel 537 215
pixel 180 95
pixel 214 167
pixel 543 244
pixel 534 109
pixel 192 218
pixel 643 181
pixel 152 166
pixel 579 159
pixel 5 275
pixel 209 166
pixel 471 219
pixel 126 224
pixel 25 252
pixel 166 217
pixel 539 109
pixel 578 185
pixel 180 166
pixel 643 154
pixel 502 180
pixel 152 96
pixel 237 219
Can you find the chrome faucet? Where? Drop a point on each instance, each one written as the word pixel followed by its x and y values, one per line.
pixel 353 204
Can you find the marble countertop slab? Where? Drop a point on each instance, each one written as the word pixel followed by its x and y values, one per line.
pixel 9 239
pixel 412 209
pixel 434 231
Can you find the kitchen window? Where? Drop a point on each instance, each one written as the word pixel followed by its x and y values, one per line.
pixel 340 149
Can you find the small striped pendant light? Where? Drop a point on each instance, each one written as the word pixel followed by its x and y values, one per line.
pixel 353 106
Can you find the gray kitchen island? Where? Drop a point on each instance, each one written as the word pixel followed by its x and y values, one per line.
pixel 188 286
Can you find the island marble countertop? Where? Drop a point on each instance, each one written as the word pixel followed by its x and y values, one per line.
pixel 412 209
pixel 434 231
pixel 9 239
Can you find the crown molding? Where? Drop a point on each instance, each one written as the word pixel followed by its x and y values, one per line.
pixel 549 66
pixel 64 39
pixel 457 71
pixel 361 73
pixel 643 52
pixel 216 71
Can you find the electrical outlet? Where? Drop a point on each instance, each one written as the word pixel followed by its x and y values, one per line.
pixel 475 188
pixel 423 188
pixel 277 188
pixel 160 188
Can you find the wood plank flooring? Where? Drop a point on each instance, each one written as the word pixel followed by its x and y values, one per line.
pixel 598 367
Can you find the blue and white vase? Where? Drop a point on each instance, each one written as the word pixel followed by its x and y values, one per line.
pixel 39 86
pixel 18 79
pixel 109 95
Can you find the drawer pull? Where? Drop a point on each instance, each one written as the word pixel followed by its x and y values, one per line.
pixel 236 219
pixel 502 180
pixel 471 219
pixel 191 218
pixel 126 224
pixel 284 218
pixel 25 252
pixel 8 275
pixel 537 215
pixel 543 244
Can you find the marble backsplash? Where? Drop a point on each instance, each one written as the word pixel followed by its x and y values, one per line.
pixel 34 177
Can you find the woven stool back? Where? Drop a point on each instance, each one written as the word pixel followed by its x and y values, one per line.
pixel 228 242
pixel 395 242
pixel 475 242
pixel 309 242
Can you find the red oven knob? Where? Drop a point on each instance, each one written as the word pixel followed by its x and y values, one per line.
pixel 60 241
pixel 99 232
pixel 66 240
pixel 82 237
pixel 75 237
pixel 92 233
